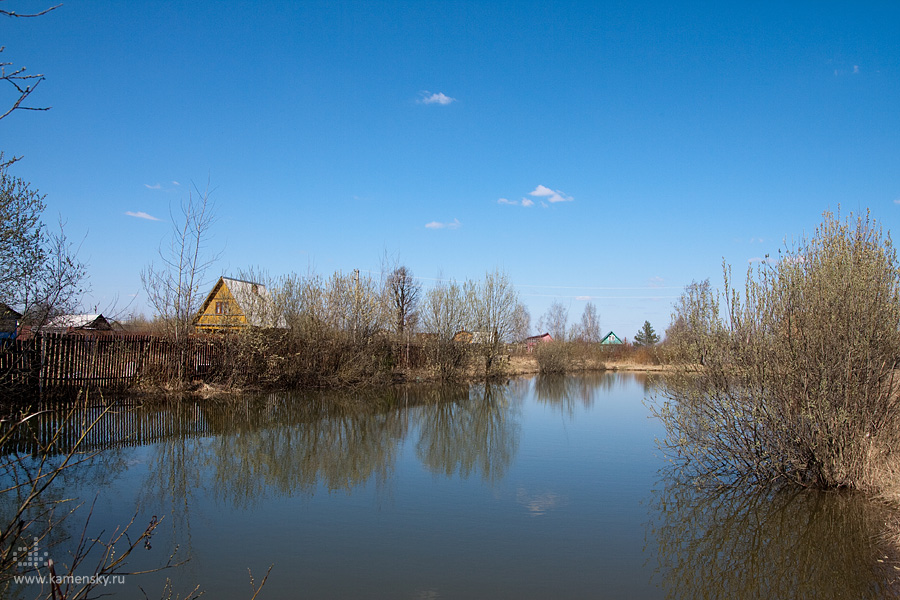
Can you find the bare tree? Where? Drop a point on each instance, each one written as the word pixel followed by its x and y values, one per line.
pixel 588 330
pixel 353 305
pixel 41 273
pixel 696 323
pixel 445 311
pixel 443 315
pixel 493 304
pixel 403 295
pixel 521 323
pixel 23 84
pixel 555 321
pixel 175 288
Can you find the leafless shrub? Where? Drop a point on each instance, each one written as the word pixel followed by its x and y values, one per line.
pixel 798 377
pixel 554 357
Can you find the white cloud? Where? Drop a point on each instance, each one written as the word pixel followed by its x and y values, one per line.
pixel 454 224
pixel 541 191
pixel 175 183
pixel 584 297
pixel 524 202
pixel 552 196
pixel 436 98
pixel 155 186
pixel 656 281
pixel 141 215
pixel 897 201
pixel 856 69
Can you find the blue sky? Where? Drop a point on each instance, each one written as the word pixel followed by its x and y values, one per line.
pixel 593 150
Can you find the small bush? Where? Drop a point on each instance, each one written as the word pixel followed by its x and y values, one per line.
pixel 554 357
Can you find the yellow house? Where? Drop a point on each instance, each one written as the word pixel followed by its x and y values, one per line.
pixel 233 304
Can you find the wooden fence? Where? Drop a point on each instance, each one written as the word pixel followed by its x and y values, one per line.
pixel 50 362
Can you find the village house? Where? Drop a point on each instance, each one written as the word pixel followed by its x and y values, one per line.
pixel 233 304
pixel 78 324
pixel 533 341
pixel 9 322
pixel 611 339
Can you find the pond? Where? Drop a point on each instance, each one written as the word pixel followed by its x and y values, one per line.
pixel 539 488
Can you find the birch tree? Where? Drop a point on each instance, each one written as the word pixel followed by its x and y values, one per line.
pixel 177 285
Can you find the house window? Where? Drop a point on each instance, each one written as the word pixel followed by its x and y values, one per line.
pixel 221 308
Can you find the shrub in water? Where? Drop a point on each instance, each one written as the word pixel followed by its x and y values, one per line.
pixel 797 380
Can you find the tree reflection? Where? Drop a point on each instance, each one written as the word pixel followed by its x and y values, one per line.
pixel 323 444
pixel 566 392
pixel 284 444
pixel 764 543
pixel 469 431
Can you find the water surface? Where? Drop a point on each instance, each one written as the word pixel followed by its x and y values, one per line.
pixel 544 487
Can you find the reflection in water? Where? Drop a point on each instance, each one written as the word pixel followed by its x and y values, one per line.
pixel 562 516
pixel 469 432
pixel 287 444
pixel 565 392
pixel 297 443
pixel 539 504
pixel 763 543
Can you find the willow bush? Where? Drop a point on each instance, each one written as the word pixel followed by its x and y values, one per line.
pixel 796 380
pixel 554 357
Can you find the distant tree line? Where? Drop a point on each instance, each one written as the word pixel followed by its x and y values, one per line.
pixel 353 328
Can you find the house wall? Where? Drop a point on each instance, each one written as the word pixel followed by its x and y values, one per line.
pixel 231 315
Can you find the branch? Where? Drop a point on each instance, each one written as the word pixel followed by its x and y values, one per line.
pixel 12 13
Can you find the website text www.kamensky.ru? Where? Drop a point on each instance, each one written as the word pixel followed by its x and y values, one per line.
pixel 30 558
pixel 92 580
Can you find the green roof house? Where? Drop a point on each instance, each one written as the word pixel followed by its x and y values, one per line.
pixel 611 339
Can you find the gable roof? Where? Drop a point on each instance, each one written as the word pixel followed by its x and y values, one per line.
pixel 253 299
pixel 9 322
pixel 7 312
pixel 68 322
pixel 540 338
pixel 611 338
